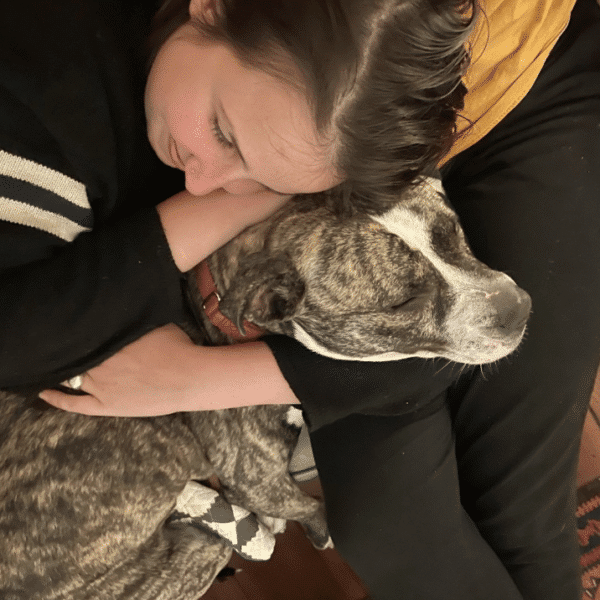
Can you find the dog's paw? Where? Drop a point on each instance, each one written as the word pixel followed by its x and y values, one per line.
pixel 328 545
pixel 320 542
pixel 273 524
pixel 294 418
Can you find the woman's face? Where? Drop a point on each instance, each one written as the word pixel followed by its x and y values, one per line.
pixel 228 126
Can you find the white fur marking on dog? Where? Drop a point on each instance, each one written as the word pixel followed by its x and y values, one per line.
pixel 309 342
pixel 435 183
pixel 294 417
pixel 416 232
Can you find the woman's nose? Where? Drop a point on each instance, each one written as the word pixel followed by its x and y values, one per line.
pixel 201 179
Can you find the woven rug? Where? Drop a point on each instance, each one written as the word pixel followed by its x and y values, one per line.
pixel 588 525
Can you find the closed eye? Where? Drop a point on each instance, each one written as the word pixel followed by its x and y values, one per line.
pixel 232 145
pixel 406 304
pixel 457 229
pixel 413 304
pixel 219 135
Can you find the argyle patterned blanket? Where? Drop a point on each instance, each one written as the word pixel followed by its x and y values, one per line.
pixel 206 510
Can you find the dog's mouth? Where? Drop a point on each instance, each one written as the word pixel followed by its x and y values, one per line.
pixel 476 352
pixel 485 352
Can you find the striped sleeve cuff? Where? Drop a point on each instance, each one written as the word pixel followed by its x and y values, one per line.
pixel 36 196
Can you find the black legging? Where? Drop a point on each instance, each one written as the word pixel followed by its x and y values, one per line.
pixel 477 501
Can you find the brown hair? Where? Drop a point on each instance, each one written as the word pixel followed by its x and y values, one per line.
pixel 383 77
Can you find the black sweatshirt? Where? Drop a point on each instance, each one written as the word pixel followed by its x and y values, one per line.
pixel 85 267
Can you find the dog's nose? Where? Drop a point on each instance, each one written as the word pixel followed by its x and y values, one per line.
pixel 512 306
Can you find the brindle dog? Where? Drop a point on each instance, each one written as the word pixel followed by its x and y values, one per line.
pixel 85 501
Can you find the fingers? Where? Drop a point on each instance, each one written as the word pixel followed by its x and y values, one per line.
pixel 84 404
pixel 145 378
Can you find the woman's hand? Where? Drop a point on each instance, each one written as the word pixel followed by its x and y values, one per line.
pixel 165 372
pixel 146 378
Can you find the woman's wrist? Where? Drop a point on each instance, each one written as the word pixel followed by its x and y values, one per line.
pixel 240 375
pixel 196 226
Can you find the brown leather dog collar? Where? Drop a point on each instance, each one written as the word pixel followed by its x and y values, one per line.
pixel 211 299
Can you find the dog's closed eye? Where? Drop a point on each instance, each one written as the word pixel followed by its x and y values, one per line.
pixel 412 303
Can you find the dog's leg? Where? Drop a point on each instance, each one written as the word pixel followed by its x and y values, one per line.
pixel 288 502
pixel 176 563
pixel 256 442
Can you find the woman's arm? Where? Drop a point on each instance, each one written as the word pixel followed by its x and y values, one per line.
pixel 196 226
pixel 164 372
pixel 84 300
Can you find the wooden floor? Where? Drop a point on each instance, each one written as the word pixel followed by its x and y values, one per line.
pixel 299 572
pixel 296 571
pixel 589 459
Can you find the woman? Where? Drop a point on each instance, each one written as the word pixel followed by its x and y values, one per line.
pixel 434 488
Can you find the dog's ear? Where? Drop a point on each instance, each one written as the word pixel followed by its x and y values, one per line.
pixel 264 290
pixel 277 298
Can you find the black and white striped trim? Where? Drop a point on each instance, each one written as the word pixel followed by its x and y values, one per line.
pixel 37 196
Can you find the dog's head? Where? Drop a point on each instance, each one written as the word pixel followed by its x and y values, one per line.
pixel 403 284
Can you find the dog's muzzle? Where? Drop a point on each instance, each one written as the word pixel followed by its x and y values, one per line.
pixel 511 306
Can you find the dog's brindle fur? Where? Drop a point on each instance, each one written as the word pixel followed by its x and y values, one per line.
pixel 84 500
